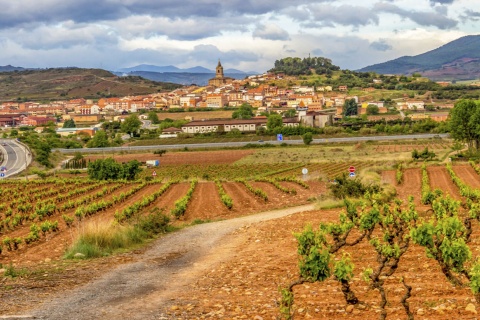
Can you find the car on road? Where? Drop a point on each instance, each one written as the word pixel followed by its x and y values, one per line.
pixel 260 140
pixel 4 144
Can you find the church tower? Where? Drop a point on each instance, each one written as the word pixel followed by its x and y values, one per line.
pixel 219 70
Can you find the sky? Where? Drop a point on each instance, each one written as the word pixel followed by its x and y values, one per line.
pixel 247 35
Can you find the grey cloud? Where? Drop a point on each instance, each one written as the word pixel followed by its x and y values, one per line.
pixel 20 12
pixel 63 36
pixel 433 2
pixel 471 15
pixel 327 15
pixel 381 45
pixel 317 52
pixel 422 18
pixel 270 32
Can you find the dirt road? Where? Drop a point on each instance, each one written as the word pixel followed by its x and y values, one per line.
pixel 143 289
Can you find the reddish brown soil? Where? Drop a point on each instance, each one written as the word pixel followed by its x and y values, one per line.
pixel 167 200
pixel 440 179
pixel 243 201
pixel 468 175
pixel 412 185
pixel 53 246
pixel 205 203
pixel 264 259
pixel 191 157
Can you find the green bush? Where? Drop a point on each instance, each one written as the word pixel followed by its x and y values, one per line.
pixel 345 186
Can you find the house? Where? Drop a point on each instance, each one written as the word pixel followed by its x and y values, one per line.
pixel 37 121
pixel 342 88
pixel 314 119
pixel 86 118
pixel 227 125
pixel 64 132
pixel 90 109
pixel 171 132
pixel 216 100
pixel 411 105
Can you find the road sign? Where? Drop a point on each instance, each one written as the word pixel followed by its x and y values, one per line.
pixel 154 173
pixel 351 169
pixel 2 175
pixel 279 137
pixel 304 170
pixel 352 174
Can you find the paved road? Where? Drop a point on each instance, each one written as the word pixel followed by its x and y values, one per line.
pixel 16 157
pixel 243 143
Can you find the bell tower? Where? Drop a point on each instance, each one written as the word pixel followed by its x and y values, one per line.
pixel 219 73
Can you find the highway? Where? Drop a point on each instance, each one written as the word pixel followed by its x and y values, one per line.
pixel 243 143
pixel 16 157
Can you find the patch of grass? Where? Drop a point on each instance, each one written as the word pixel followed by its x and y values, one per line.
pixel 11 272
pixel 200 221
pixel 330 203
pixel 97 240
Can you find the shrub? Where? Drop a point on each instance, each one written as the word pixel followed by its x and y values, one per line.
pixel 352 187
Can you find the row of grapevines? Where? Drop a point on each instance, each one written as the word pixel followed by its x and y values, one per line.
pixel 256 191
pixel 181 204
pixel 133 209
pixel 94 207
pixel 465 190
pixel 399 174
pixel 294 180
pixel 427 195
pixel 226 199
pixel 474 166
pixel 12 244
pixel 277 185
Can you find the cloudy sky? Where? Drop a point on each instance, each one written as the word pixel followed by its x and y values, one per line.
pixel 245 34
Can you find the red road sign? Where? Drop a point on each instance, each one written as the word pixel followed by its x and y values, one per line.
pixel 351 169
pixel 154 173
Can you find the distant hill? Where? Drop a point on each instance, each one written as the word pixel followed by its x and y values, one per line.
pixel 163 69
pixel 69 83
pixel 9 68
pixel 183 78
pixel 456 60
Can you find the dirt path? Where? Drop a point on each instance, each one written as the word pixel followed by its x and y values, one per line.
pixel 142 289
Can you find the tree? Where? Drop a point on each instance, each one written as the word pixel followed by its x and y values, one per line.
pixel 99 140
pixel 350 107
pixel 131 124
pixel 70 123
pixel 274 121
pixel 307 138
pixel 372 109
pixel 152 116
pixel 245 111
pixel 464 120
pixel 109 169
pixel 290 113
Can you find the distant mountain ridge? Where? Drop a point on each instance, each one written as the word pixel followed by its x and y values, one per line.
pixel 9 68
pixel 183 78
pixel 456 60
pixel 170 68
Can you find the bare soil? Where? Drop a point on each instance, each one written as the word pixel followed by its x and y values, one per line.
pixel 190 157
pixel 231 269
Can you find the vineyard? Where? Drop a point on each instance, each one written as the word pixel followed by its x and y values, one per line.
pixel 38 215
pixel 388 276
pixel 412 258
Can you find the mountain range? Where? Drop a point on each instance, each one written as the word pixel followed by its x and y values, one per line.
pixel 456 60
pixel 163 69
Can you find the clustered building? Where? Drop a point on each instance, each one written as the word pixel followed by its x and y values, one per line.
pixel 220 92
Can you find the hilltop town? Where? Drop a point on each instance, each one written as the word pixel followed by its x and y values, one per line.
pixel 269 92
